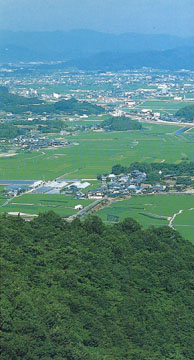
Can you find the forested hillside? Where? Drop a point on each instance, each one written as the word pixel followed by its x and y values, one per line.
pixel 74 291
pixel 186 113
pixel 121 123
pixel 19 104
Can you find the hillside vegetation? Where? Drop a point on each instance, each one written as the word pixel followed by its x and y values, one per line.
pixel 121 123
pixel 19 104
pixel 79 291
pixel 186 113
pixel 8 131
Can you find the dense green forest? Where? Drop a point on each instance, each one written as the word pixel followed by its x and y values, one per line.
pixel 9 131
pixel 84 290
pixel 121 123
pixel 54 126
pixel 19 104
pixel 186 113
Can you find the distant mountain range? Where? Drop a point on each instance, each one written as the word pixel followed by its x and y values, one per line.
pixel 88 49
pixel 175 59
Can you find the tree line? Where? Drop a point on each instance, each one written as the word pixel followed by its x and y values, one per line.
pixel 157 172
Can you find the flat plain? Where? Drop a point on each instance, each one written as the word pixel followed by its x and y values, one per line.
pixel 97 152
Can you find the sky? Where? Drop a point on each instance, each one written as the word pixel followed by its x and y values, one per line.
pixel 113 16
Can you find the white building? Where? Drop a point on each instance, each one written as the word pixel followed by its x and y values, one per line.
pixel 78 207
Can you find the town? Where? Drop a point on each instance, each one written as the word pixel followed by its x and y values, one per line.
pixel 142 93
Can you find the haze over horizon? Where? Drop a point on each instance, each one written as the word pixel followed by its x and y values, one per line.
pixel 173 17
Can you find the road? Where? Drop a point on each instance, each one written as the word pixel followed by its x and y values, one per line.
pixel 86 210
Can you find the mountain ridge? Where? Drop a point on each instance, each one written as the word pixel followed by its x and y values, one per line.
pixel 173 59
pixel 60 45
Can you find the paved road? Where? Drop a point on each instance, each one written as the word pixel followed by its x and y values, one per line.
pixel 84 211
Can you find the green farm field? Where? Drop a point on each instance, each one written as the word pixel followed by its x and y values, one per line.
pixel 163 106
pixel 148 209
pixel 37 203
pixel 98 152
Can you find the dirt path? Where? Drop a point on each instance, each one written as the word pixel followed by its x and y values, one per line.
pixel 173 218
pixel 69 173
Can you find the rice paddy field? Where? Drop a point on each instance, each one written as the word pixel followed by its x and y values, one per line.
pixel 156 210
pixel 37 203
pixel 98 152
pixel 162 106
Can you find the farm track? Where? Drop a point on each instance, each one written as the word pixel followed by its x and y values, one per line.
pixel 173 218
pixel 72 172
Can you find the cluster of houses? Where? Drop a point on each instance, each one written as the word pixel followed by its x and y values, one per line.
pixel 111 186
pixel 34 142
pixel 124 184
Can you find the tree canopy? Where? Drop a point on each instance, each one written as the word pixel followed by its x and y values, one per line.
pixel 8 131
pixel 183 168
pixel 186 113
pixel 84 290
pixel 121 123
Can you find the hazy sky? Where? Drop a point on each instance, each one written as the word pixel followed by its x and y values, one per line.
pixel 117 16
